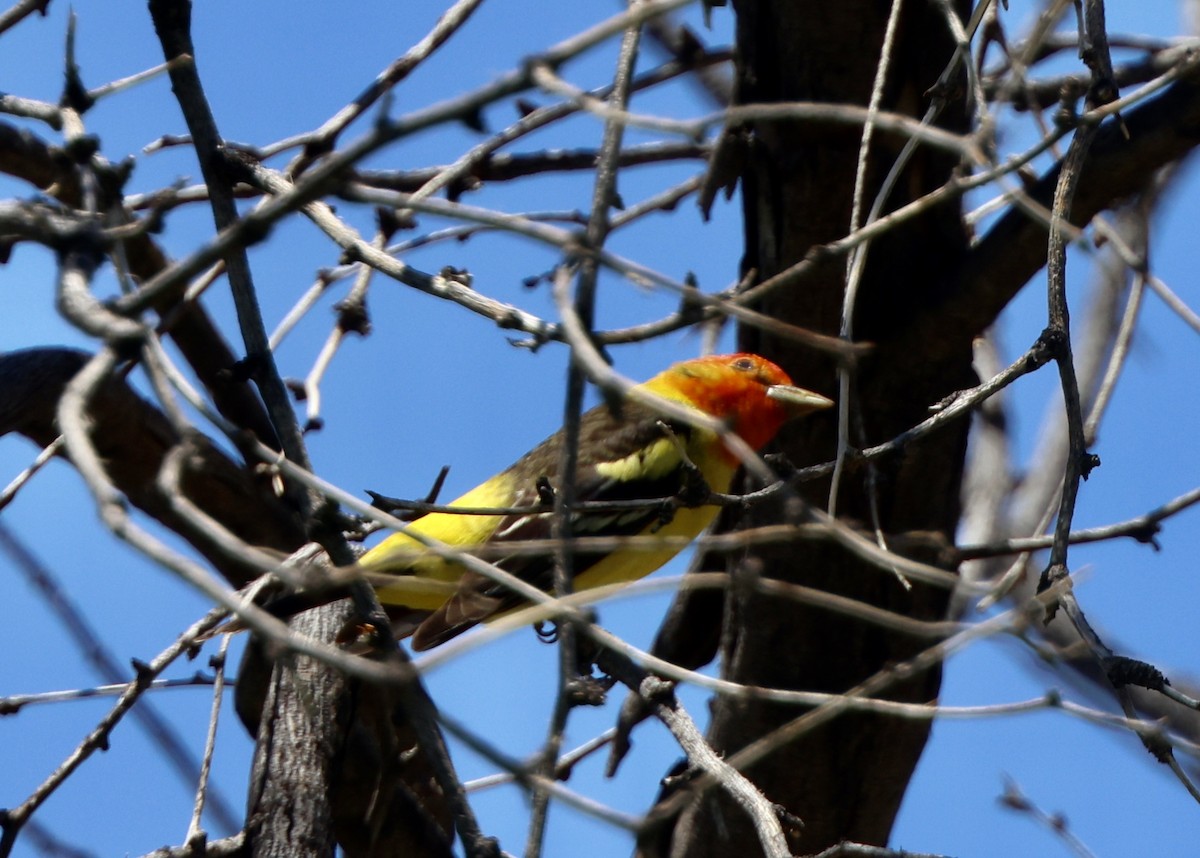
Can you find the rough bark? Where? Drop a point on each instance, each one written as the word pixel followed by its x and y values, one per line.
pixel 923 300
pixel 347 775
pixel 845 778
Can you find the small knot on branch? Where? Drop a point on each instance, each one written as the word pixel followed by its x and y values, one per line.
pixel 1122 671
pixel 460 276
pixel 1051 575
pixel 247 368
pixel 143 673
pixel 589 690
pixel 1053 340
pixel 792 824
pixel 1145 533
pixel 391 221
pixel 1066 118
pixel 82 148
pixel 691 308
pixel 352 316
pixel 655 689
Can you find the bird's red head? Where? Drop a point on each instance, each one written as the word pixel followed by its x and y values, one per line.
pixel 754 396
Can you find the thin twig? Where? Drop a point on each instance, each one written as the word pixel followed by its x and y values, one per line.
pixel 98 738
pixel 603 194
pixel 217 662
pixel 106 665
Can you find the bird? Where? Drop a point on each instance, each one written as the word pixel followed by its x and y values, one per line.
pixel 627 452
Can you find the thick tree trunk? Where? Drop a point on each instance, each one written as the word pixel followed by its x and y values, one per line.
pixel 348 774
pixel 844 778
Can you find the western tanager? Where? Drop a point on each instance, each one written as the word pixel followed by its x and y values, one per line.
pixel 627 453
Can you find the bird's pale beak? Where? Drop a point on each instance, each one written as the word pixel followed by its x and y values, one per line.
pixel 797 400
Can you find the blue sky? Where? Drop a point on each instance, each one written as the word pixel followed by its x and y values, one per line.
pixel 409 399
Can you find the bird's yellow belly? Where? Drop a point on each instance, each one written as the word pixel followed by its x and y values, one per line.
pixel 630 565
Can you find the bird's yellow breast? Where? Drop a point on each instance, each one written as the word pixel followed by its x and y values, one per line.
pixel 634 563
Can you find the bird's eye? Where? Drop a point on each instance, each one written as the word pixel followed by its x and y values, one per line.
pixel 744 364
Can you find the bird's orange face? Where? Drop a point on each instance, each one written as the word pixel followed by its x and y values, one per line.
pixel 751 393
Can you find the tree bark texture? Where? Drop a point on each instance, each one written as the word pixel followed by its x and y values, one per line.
pixel 923 299
pixel 336 762
pixel 845 778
